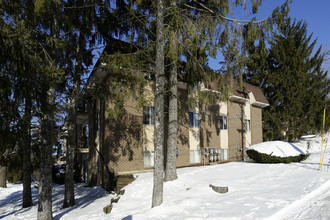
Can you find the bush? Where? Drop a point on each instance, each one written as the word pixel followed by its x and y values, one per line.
pixel 265 158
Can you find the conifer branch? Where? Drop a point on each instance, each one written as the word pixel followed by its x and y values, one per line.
pixel 199 64
pixel 79 7
pixel 236 21
pixel 203 6
pixel 48 57
pixel 192 7
pixel 139 20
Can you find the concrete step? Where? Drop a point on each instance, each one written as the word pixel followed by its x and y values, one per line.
pixel 124 180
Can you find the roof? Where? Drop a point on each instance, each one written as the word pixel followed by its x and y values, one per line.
pixel 258 94
pixel 243 93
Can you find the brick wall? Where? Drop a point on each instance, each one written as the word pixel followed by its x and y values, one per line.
pixel 256 125
pixel 235 130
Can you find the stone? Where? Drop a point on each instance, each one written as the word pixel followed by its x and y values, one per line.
pixel 219 189
pixel 121 192
pixel 107 209
pixel 115 200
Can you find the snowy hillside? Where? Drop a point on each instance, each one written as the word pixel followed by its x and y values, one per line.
pixel 256 191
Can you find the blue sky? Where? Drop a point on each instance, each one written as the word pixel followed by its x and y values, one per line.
pixel 316 13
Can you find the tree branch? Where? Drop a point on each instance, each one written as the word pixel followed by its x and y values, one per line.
pixel 236 21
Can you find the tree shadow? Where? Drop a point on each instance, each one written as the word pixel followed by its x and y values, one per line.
pixel 128 218
pixel 82 202
pixel 17 199
pixel 209 125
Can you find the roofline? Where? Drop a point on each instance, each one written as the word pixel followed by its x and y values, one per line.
pixel 235 97
pixel 260 104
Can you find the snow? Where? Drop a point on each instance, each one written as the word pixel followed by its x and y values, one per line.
pixel 256 191
pixel 277 148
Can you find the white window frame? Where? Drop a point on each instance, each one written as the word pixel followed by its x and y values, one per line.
pixel 148 158
pixel 247 125
pixel 193 120
pixel 223 122
pixel 148 115
pixel 223 154
pixel 195 156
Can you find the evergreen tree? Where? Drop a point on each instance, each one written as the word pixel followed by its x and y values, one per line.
pixel 292 80
pixel 79 24
pixel 19 65
pixel 49 26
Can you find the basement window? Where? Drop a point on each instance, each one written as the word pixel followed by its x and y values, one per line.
pixel 195 156
pixel 224 154
pixel 148 158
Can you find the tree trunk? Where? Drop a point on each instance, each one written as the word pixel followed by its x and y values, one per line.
pixel 46 150
pixel 170 172
pixel 157 196
pixel 69 170
pixel 3 176
pixel 27 167
pixel 72 138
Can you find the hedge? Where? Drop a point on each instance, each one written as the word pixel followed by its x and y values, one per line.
pixel 266 158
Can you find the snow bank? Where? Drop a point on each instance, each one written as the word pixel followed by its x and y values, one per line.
pixel 256 191
pixel 278 148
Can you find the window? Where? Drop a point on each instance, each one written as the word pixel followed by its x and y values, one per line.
pixel 223 122
pixel 84 137
pixel 247 125
pixel 193 120
pixel 148 115
pixel 195 156
pixel 224 154
pixel 148 158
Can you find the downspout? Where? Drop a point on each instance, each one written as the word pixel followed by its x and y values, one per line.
pixel 242 128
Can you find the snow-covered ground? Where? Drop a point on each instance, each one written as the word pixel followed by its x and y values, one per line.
pixel 256 191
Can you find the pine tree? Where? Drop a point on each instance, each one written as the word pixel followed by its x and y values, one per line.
pixel 79 24
pixel 48 18
pixel 293 81
pixel 19 65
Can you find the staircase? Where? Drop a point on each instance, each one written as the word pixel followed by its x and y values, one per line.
pixel 124 180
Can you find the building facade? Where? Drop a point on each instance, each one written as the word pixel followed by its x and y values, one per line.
pixel 208 133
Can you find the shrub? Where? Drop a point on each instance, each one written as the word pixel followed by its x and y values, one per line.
pixel 265 158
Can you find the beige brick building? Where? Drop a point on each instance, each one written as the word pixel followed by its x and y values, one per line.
pixel 207 133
